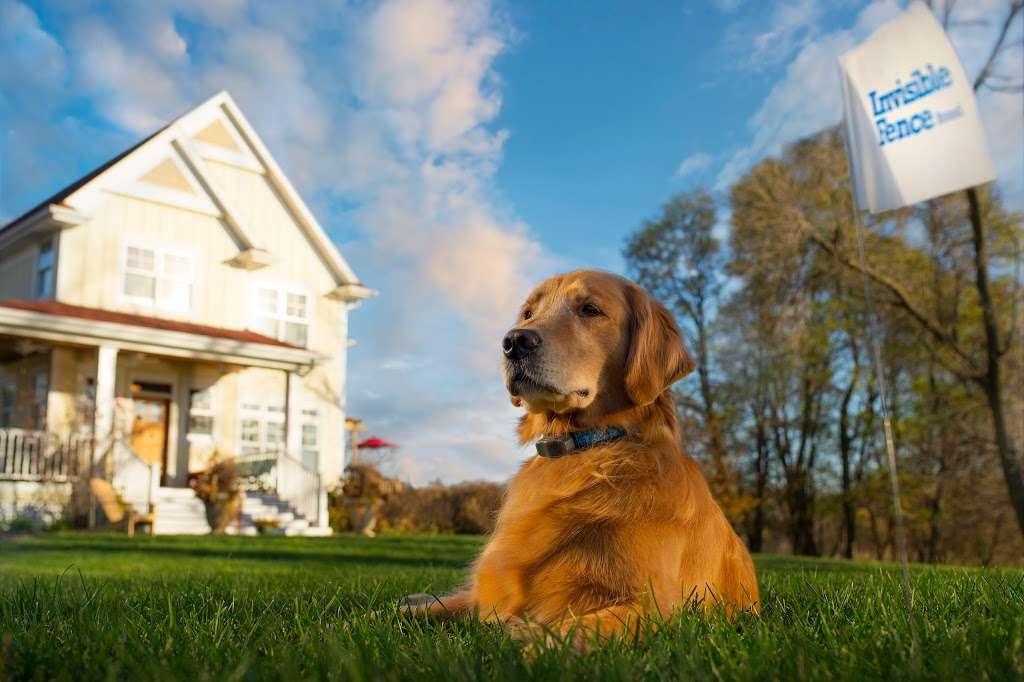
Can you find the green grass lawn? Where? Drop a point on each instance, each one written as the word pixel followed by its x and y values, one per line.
pixel 102 606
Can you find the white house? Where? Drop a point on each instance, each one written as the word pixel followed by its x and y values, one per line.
pixel 179 300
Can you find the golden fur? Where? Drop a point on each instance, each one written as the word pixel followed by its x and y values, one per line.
pixel 592 542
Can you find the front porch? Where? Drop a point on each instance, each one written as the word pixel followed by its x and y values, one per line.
pixel 143 407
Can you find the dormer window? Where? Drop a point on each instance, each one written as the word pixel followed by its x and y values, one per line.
pixel 282 314
pixel 44 270
pixel 158 277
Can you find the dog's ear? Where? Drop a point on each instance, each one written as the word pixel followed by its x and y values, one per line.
pixel 656 358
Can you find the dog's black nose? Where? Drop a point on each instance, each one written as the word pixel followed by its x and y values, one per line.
pixel 519 343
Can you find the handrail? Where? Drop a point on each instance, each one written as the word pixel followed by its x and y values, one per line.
pixel 286 477
pixel 136 479
pixel 30 455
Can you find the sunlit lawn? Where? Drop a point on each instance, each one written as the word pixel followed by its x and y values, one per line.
pixel 89 607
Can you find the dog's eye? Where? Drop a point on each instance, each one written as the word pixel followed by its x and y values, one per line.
pixel 590 310
pixel 527 314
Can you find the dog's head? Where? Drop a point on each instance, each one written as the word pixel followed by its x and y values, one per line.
pixel 591 341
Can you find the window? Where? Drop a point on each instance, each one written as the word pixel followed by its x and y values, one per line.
pixel 200 413
pixel 41 390
pixel 310 439
pixel 250 436
pixel 261 429
pixel 150 387
pixel 160 278
pixel 7 394
pixel 310 451
pixel 44 270
pixel 85 405
pixel 281 315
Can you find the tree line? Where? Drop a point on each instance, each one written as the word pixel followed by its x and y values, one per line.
pixel 785 410
pixel 782 310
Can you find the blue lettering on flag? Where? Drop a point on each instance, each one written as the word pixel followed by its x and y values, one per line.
pixel 922 83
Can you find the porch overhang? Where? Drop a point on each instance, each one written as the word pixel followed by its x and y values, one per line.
pixel 71 330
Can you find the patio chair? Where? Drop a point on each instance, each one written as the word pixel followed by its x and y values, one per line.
pixel 115 510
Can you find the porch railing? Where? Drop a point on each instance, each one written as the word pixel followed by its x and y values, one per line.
pixel 41 456
pixel 284 476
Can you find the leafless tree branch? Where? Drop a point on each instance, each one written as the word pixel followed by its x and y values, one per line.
pixel 997 47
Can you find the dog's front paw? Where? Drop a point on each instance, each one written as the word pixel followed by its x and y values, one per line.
pixel 533 636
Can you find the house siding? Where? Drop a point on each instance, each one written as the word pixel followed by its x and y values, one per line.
pixel 92 254
pixel 16 270
pixel 90 260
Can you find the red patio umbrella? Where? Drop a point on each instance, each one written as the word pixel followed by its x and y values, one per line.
pixel 374 443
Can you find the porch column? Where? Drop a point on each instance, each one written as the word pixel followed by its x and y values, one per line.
pixel 60 401
pixel 342 361
pixel 293 416
pixel 293 441
pixel 103 424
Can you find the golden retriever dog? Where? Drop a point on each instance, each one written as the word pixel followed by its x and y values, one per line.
pixel 611 523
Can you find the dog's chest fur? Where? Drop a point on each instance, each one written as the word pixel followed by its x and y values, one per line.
pixel 561 532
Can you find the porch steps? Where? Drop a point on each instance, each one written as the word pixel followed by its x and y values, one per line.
pixel 257 506
pixel 179 512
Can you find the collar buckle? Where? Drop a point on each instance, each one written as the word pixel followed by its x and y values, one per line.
pixel 554 447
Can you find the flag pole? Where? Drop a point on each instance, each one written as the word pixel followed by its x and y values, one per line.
pixel 890 441
pixel 883 394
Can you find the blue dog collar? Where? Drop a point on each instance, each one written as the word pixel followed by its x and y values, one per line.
pixel 554 447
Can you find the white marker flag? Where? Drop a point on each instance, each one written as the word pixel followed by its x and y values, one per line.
pixel 912 125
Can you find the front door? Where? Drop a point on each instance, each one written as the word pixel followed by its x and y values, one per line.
pixel 149 431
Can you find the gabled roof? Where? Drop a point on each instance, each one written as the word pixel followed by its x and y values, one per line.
pixel 64 193
pixel 83 195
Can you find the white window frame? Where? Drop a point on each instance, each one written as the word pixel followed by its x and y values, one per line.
pixel 8 399
pixel 280 315
pixel 45 289
pixel 209 411
pixel 40 398
pixel 311 418
pixel 85 404
pixel 159 275
pixel 263 414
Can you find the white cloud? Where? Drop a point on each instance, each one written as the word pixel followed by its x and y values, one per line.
pixel 426 83
pixel 29 51
pixel 727 6
pixel 792 25
pixel 693 165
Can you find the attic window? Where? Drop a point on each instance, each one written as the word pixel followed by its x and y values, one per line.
pixel 158 277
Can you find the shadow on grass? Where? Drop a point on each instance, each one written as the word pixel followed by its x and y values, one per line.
pixel 264 555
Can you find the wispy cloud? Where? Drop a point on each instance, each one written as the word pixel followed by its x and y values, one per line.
pixel 767 35
pixel 793 25
pixel 727 6
pixel 693 165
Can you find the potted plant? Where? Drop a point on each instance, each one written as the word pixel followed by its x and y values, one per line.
pixel 218 487
pixel 268 526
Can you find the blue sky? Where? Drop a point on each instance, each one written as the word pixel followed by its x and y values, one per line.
pixel 457 151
